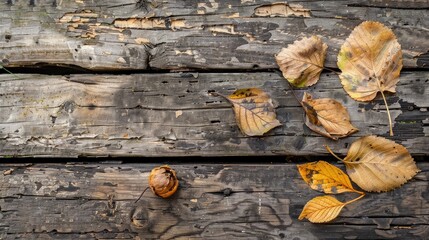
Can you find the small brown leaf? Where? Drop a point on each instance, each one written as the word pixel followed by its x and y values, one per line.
pixel 321 209
pixel 327 117
pixel 324 177
pixel 254 111
pixel 8 172
pixel 163 181
pixel 302 62
pixel 377 164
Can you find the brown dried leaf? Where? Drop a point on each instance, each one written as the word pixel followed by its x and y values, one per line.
pixel 8 172
pixel 163 181
pixel 370 61
pixel 302 62
pixel 321 209
pixel 377 164
pixel 324 177
pixel 254 111
pixel 327 117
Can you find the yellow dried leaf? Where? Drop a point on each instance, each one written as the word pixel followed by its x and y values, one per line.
pixel 324 177
pixel 327 117
pixel 302 62
pixel 370 61
pixel 254 111
pixel 377 164
pixel 321 209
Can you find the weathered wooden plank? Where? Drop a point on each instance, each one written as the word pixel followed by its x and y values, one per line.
pixel 238 201
pixel 130 35
pixel 175 115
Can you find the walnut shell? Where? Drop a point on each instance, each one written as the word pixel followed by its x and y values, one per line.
pixel 163 181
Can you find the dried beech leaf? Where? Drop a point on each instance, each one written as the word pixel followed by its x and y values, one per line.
pixel 327 117
pixel 324 177
pixel 163 181
pixel 377 164
pixel 321 209
pixel 302 62
pixel 254 111
pixel 370 61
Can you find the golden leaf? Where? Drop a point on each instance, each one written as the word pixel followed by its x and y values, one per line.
pixel 324 177
pixel 370 61
pixel 327 117
pixel 377 164
pixel 321 209
pixel 302 62
pixel 254 111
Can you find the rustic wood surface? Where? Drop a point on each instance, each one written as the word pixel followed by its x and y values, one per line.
pixel 175 115
pixel 149 114
pixel 230 34
pixel 233 201
pixel 156 63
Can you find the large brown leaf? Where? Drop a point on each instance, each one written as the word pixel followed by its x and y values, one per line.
pixel 302 62
pixel 377 164
pixel 327 117
pixel 254 111
pixel 370 61
pixel 324 177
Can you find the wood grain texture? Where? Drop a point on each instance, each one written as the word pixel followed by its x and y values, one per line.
pixel 150 114
pixel 175 115
pixel 190 34
pixel 97 201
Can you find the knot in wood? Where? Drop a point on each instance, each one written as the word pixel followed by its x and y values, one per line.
pixel 227 192
pixel 140 218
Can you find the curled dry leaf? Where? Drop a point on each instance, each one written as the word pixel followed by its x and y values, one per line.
pixel 254 111
pixel 321 209
pixel 377 164
pixel 8 172
pixel 370 61
pixel 302 62
pixel 327 117
pixel 324 177
pixel 163 181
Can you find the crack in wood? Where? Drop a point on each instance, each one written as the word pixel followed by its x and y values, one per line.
pixel 238 204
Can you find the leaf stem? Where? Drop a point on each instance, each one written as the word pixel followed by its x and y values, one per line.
pixel 388 114
pixel 141 195
pixel 215 94
pixel 290 87
pixel 354 200
pixel 6 70
pixel 360 192
pixel 294 94
pixel 330 69
pixel 332 153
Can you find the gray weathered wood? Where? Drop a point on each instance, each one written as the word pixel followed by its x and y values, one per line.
pixel 190 34
pixel 97 201
pixel 174 115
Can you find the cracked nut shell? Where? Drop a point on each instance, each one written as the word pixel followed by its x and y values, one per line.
pixel 163 181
